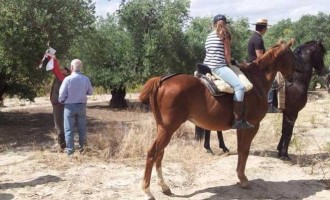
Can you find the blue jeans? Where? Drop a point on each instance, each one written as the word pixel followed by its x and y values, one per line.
pixel 74 113
pixel 229 76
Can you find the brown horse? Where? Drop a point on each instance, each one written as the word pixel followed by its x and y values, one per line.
pixel 179 98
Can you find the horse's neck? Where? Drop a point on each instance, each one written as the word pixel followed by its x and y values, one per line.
pixel 301 66
pixel 303 71
pixel 302 78
pixel 261 78
pixel 267 73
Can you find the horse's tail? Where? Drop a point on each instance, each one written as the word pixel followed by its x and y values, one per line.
pixel 149 90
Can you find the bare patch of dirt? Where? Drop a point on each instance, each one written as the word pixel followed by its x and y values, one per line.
pixel 113 166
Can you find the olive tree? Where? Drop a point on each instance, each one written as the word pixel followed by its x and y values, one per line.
pixel 26 27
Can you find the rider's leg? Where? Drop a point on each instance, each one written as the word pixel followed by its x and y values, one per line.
pixel 271 107
pixel 232 79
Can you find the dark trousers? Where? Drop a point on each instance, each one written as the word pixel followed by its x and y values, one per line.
pixel 58 113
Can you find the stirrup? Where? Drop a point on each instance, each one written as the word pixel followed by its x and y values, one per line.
pixel 242 124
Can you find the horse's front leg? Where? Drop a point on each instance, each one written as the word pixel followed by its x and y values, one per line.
pixel 287 129
pixel 244 139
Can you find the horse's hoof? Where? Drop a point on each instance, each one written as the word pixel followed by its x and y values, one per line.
pixel 150 198
pixel 209 151
pixel 245 185
pixel 167 192
pixel 285 158
pixel 226 150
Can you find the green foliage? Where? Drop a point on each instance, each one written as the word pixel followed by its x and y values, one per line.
pixel 195 36
pixel 145 38
pixel 156 29
pixel 25 29
pixel 283 30
pixel 240 36
pixel 107 54
pixel 313 27
pixel 308 27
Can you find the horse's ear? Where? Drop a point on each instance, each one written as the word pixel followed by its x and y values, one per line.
pixel 280 41
pixel 291 42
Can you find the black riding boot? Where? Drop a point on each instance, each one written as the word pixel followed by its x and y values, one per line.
pixel 239 121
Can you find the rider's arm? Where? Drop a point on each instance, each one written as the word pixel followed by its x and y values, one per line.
pixel 259 53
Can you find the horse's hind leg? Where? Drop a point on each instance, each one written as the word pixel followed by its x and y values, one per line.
pixel 207 141
pixel 244 139
pixel 155 154
pixel 165 189
pixel 163 139
pixel 151 156
pixel 222 142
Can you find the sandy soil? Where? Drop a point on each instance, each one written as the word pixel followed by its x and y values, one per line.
pixel 29 170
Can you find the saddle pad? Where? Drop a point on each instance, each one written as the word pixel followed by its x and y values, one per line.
pixel 225 87
pixel 281 91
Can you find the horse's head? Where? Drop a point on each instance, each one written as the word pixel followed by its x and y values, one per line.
pixel 284 58
pixel 312 54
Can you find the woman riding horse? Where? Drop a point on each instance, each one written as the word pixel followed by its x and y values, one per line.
pixel 176 99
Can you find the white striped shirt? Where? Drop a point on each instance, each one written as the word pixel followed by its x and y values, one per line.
pixel 215 51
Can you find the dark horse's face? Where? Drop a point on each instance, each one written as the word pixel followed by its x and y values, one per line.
pixel 313 55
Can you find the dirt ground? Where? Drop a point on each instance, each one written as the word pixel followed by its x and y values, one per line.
pixel 30 170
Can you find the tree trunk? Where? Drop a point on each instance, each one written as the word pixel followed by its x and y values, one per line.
pixel 118 98
pixel 3 88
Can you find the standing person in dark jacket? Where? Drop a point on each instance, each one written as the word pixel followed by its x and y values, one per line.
pixel 58 110
pixel 256 49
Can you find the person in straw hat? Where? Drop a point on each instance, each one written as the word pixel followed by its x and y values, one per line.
pixel 256 49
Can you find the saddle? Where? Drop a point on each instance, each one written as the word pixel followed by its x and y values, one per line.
pixel 216 85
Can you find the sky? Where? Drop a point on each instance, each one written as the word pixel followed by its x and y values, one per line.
pixel 273 10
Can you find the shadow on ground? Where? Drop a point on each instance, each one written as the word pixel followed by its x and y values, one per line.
pixel 38 181
pixel 5 196
pixel 303 160
pixel 264 190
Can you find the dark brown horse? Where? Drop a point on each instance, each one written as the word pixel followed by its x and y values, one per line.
pixel 179 98
pixel 308 56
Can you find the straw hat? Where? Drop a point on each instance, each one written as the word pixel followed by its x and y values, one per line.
pixel 262 22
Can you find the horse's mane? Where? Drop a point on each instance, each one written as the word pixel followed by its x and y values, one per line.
pixel 301 49
pixel 312 43
pixel 267 56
